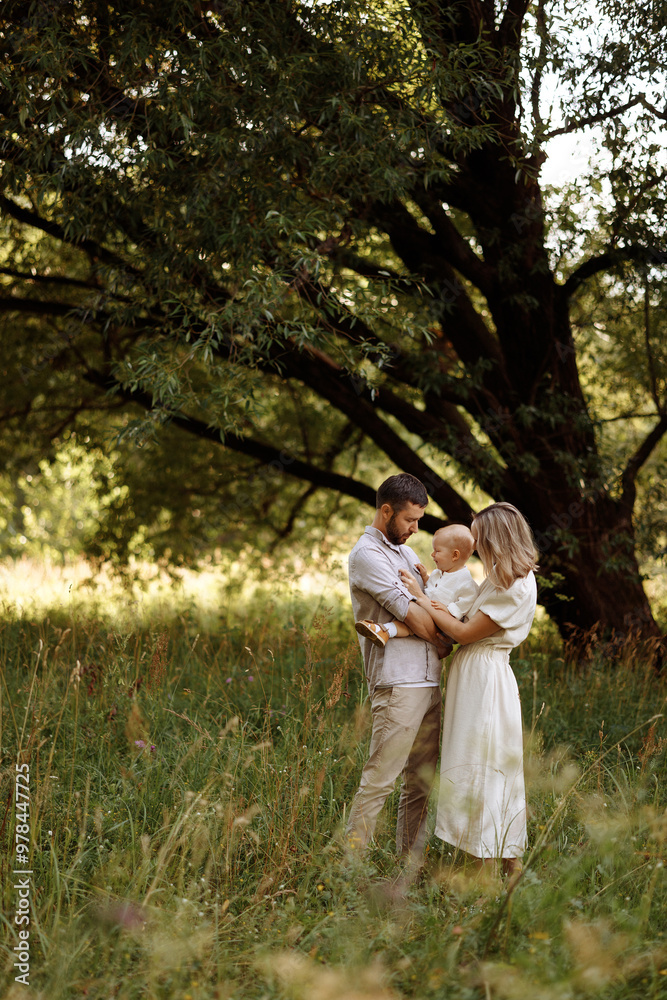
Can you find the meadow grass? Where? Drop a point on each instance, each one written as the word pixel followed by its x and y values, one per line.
pixel 189 786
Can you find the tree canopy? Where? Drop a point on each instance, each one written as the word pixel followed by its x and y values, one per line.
pixel 277 250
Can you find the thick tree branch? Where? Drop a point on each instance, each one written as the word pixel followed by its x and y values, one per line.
pixel 37 307
pixel 400 368
pixel 342 395
pixel 365 268
pixel 49 279
pixel 509 31
pixel 269 455
pixel 441 425
pixel 354 398
pixel 346 324
pixel 611 258
pixel 422 254
pixel 635 462
pixel 339 445
pixel 321 369
pixel 652 108
pixel 458 252
pixel 602 116
pixel 536 84
pixel 90 247
pixel 650 355
pixel 621 215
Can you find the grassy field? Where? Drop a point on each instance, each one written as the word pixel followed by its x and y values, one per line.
pixel 188 786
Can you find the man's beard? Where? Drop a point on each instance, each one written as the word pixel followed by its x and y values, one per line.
pixel 392 532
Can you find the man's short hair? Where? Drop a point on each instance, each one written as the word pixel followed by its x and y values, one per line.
pixel 398 491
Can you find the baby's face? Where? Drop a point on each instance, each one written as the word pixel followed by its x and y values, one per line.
pixel 443 555
pixel 451 548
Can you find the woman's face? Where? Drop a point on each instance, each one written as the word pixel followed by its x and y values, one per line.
pixel 474 531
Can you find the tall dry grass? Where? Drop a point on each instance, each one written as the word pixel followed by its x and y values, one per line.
pixel 189 786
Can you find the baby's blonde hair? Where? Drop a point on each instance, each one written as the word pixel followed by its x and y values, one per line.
pixel 458 536
pixel 504 544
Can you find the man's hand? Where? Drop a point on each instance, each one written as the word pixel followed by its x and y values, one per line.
pixel 423 572
pixel 443 645
pixel 411 583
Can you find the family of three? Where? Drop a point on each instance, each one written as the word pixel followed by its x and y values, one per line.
pixel 407 622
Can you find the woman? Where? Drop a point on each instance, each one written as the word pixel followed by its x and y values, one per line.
pixel 482 802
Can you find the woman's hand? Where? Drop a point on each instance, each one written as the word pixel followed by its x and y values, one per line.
pixel 411 583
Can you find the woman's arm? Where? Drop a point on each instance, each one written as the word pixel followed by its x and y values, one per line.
pixel 422 624
pixel 479 627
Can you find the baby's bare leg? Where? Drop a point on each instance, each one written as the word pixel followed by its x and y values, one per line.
pixel 402 630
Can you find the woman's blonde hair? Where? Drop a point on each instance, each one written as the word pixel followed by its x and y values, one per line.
pixel 504 544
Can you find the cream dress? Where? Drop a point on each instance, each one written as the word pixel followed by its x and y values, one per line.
pixel 482 802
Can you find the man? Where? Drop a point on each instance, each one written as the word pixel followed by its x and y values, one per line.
pixel 403 676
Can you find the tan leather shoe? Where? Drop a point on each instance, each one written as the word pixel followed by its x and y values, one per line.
pixel 372 631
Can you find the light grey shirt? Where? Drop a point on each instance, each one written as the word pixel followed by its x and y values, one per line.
pixel 379 595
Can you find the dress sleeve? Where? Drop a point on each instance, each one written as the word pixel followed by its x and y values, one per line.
pixel 464 600
pixel 511 607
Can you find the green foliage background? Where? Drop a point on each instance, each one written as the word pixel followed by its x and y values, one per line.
pixel 259 256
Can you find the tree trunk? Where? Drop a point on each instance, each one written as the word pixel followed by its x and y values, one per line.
pixel 491 384
pixel 600 592
pixel 532 408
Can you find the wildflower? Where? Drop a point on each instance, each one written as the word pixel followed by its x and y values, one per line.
pixel 140 743
pixel 228 681
pixel 122 913
pixel 250 677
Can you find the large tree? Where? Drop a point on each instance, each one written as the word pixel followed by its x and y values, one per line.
pixel 294 231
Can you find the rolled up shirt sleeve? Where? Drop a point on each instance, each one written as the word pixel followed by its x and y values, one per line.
pixel 380 579
pixel 378 594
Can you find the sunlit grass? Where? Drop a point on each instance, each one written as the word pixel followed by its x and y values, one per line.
pixel 146 594
pixel 190 776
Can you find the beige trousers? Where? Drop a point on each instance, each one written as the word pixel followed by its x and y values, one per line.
pixel 405 740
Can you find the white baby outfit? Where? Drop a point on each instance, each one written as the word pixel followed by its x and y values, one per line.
pixel 482 802
pixel 456 590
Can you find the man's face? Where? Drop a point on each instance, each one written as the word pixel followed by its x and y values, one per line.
pixel 403 523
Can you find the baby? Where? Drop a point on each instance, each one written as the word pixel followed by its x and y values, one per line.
pixel 450 583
